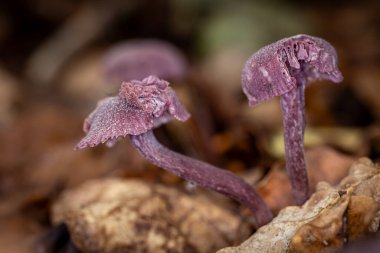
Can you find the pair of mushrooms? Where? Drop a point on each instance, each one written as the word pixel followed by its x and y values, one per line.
pixel 283 68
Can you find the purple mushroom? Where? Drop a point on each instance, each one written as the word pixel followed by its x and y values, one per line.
pixel 136 59
pixel 284 69
pixel 144 105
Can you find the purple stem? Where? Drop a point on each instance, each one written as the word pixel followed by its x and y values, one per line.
pixel 203 174
pixel 293 107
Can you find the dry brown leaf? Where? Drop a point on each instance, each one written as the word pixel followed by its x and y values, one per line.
pixel 129 215
pixel 62 166
pixel 275 188
pixel 19 234
pixel 322 234
pixel 323 164
pixel 328 219
pixel 326 164
pixel 360 212
pixel 35 131
pixel 367 86
pixel 8 96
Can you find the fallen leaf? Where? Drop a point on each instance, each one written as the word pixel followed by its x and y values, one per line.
pixel 326 164
pixel 275 188
pixel 327 220
pixel 323 164
pixel 19 234
pixel 114 215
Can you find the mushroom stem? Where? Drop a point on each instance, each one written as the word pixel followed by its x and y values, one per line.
pixel 293 107
pixel 203 174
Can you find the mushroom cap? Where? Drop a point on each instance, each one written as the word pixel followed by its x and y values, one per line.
pixel 136 59
pixel 271 70
pixel 139 107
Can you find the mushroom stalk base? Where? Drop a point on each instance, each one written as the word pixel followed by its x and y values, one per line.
pixel 203 174
pixel 293 106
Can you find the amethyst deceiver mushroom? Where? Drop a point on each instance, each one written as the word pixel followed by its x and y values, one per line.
pixel 144 105
pixel 136 59
pixel 284 69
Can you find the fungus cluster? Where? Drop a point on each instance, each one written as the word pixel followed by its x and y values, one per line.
pixel 283 68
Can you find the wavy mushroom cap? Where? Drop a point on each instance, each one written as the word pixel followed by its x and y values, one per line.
pixel 139 107
pixel 271 70
pixel 137 59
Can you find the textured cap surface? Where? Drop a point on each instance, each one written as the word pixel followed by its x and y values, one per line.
pixel 139 107
pixel 270 71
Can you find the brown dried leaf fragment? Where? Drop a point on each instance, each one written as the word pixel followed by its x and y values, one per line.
pixel 275 188
pixel 323 164
pixel 361 210
pixel 324 233
pixel 326 164
pixel 116 215
pixel 331 217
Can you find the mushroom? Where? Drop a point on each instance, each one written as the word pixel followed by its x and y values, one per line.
pixel 136 59
pixel 144 105
pixel 284 69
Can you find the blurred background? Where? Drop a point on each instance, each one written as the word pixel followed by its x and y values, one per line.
pixel 54 60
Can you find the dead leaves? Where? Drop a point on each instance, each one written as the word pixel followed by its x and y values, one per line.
pixel 329 219
pixel 115 215
pixel 323 164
